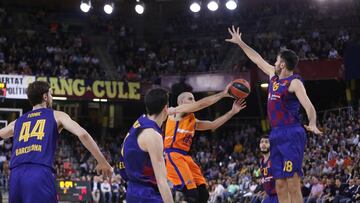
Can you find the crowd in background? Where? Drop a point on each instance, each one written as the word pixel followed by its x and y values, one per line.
pixel 49 52
pixel 230 162
pixel 189 43
pixel 306 31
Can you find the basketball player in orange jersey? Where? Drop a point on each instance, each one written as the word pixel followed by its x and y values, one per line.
pixel 180 128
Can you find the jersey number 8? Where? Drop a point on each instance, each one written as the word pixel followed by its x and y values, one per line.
pixel 288 166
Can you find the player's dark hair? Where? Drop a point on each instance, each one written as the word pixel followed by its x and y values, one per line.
pixel 264 137
pixel 290 58
pixel 36 90
pixel 155 101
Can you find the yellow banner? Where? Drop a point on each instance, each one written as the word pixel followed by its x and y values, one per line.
pixel 67 87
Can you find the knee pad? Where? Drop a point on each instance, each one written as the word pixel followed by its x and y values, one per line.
pixel 191 196
pixel 203 193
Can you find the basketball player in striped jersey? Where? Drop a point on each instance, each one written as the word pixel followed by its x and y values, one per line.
pixel 35 136
pixel 287 137
pixel 180 128
pixel 267 179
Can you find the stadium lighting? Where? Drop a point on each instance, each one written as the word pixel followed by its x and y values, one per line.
pixel 60 98
pixel 108 7
pixel 85 6
pixel 195 6
pixel 139 7
pixel 264 85
pixel 213 5
pixel 99 100
pixel 231 4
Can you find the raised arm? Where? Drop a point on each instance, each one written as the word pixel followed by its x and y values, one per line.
pixel 251 53
pixel 298 88
pixel 152 142
pixel 201 104
pixel 7 131
pixel 213 125
pixel 73 127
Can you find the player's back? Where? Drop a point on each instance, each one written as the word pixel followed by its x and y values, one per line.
pixel 138 167
pixel 35 138
pixel 34 145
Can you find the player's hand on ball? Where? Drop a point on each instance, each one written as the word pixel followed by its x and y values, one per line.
pixel 226 91
pixel 312 128
pixel 104 169
pixel 238 105
pixel 235 35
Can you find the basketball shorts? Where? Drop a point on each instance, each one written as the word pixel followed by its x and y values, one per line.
pixel 287 145
pixel 30 183
pixel 182 171
pixel 138 193
pixel 271 199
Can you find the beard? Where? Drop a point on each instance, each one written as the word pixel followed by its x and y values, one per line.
pixel 277 71
pixel 264 151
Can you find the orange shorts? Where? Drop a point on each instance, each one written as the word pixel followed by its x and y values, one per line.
pixel 183 171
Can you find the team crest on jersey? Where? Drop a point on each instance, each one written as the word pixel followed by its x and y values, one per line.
pixel 275 86
pixel 136 124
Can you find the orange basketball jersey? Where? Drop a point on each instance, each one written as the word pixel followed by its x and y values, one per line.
pixel 179 134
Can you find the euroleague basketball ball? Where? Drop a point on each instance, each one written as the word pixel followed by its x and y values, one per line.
pixel 239 89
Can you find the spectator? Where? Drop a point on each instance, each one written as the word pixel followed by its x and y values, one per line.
pixel 306 189
pixel 217 195
pixel 106 191
pixel 339 192
pixel 95 185
pixel 115 189
pixel 2 160
pixel 316 190
pixel 233 188
pixel 350 191
pixel 333 54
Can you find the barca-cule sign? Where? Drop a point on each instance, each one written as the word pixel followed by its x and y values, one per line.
pixel 80 88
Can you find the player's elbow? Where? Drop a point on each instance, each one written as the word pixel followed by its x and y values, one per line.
pixel 82 135
pixel 203 104
pixel 213 127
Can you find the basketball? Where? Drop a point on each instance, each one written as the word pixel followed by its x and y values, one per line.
pixel 239 89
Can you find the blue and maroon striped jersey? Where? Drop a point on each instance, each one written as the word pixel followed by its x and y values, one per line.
pixel 283 106
pixel 267 180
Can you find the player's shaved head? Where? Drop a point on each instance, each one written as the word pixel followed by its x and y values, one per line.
pixel 183 96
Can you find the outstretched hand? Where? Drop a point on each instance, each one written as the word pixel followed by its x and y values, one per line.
pixel 235 35
pixel 313 129
pixel 104 169
pixel 238 105
pixel 226 91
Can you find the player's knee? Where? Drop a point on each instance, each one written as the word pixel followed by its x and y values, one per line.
pixel 294 186
pixel 203 193
pixel 191 196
